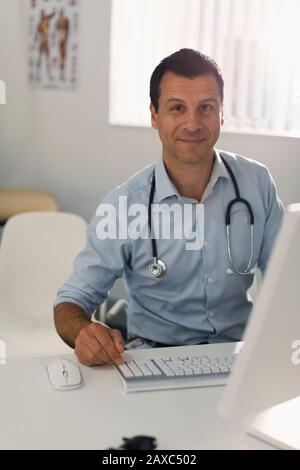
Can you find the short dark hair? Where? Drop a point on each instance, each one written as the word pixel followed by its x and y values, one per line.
pixel 186 63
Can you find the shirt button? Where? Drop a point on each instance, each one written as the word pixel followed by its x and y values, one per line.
pixel 205 243
pixel 210 313
pixel 210 280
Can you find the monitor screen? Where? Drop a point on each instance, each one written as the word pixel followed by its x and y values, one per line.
pixel 267 371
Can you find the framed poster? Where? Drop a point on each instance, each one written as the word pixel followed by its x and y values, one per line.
pixel 53 43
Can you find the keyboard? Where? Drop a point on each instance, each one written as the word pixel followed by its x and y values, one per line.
pixel 174 369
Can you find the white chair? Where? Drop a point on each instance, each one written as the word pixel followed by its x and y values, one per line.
pixel 36 255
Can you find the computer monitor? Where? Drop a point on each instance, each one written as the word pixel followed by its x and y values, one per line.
pixel 267 371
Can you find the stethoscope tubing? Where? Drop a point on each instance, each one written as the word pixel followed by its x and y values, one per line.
pixel 158 268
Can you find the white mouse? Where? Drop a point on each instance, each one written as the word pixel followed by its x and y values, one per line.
pixel 64 374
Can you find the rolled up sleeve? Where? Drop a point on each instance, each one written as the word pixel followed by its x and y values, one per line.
pixel 274 218
pixel 96 268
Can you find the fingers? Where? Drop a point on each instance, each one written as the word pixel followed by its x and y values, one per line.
pixel 118 340
pixel 87 357
pixel 106 337
pixel 97 345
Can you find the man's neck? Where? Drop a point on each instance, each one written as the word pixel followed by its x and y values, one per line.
pixel 190 180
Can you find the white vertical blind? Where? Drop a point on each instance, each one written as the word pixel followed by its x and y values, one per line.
pixel 254 42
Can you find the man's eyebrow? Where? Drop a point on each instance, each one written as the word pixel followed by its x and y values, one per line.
pixel 170 100
pixel 205 100
pixel 215 100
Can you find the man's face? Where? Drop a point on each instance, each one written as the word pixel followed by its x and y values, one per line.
pixel 189 117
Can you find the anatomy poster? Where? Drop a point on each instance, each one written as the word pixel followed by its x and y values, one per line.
pixel 53 43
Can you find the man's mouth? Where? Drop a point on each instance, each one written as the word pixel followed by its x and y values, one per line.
pixel 192 141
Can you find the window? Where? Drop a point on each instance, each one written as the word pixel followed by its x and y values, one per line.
pixel 255 43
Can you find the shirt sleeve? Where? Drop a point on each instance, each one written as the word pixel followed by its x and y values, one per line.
pixel 274 218
pixel 96 269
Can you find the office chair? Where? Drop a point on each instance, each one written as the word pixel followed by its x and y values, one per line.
pixel 113 313
pixel 36 256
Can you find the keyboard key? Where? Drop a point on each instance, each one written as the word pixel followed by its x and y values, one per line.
pixel 164 367
pixel 143 367
pixel 155 371
pixel 134 369
pixel 125 370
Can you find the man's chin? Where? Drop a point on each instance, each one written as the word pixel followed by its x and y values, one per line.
pixel 193 158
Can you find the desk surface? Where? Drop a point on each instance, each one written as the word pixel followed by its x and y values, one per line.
pixel 99 414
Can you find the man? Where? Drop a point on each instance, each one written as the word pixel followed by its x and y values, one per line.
pixel 202 294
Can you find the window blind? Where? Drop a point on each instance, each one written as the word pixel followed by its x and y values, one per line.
pixel 255 43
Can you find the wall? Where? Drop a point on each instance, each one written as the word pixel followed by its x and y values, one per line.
pixel 280 154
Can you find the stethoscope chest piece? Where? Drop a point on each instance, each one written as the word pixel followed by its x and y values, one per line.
pixel 157 268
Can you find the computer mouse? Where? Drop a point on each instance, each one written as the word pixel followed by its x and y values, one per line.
pixel 64 374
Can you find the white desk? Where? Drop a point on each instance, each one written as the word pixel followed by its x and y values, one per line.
pixel 98 415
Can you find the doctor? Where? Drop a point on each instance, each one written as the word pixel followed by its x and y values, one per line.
pixel 178 296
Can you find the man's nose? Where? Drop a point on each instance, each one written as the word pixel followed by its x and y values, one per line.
pixel 193 122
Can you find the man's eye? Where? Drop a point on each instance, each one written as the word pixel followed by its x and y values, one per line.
pixel 206 107
pixel 178 107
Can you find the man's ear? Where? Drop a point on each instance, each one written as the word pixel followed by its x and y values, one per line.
pixel 222 116
pixel 153 116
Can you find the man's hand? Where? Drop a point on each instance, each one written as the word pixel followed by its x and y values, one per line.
pixel 96 345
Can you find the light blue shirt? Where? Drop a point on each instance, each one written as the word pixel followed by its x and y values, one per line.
pixel 197 300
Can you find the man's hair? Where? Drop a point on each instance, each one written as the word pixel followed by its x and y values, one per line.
pixel 185 63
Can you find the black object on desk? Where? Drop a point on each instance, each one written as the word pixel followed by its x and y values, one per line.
pixel 137 443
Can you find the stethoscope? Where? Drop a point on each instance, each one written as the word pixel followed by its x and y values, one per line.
pixel 158 267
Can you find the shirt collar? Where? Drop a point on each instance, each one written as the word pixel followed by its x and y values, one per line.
pixel 219 169
pixel 163 185
pixel 165 188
